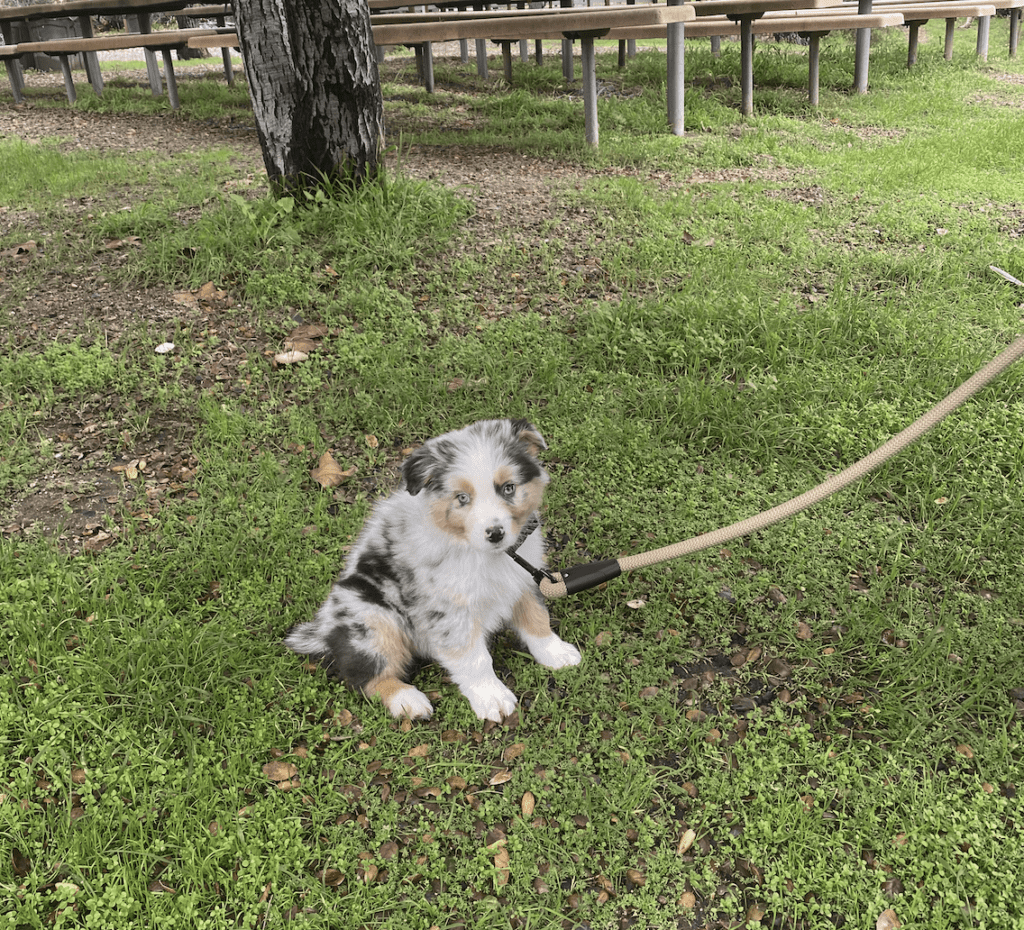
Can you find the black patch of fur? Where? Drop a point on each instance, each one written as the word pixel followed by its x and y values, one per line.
pixel 357 669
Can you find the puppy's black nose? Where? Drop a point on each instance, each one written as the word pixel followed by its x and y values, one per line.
pixel 494 534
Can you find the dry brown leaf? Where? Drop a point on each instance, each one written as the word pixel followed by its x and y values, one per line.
pixel 186 299
pixel 112 244
pixel 513 752
pixel 328 473
pixel 501 863
pixel 965 751
pixel 688 900
pixel 887 920
pixel 371 440
pixel 284 775
pixel 23 250
pixel 309 331
pixel 299 345
pixel 419 752
pixel 499 778
pixel 803 631
pixel 636 877
pixel 528 804
pixel 686 841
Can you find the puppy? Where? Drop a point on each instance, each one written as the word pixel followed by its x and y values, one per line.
pixel 429 578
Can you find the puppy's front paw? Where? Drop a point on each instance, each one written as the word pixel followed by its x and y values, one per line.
pixel 490 700
pixel 408 702
pixel 554 652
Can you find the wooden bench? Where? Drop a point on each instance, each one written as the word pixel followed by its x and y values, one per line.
pixel 917 12
pixel 163 42
pixel 583 23
pixel 812 24
pixel 9 56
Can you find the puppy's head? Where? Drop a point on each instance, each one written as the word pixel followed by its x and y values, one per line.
pixel 483 482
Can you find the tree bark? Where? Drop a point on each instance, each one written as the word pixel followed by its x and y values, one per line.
pixel 315 90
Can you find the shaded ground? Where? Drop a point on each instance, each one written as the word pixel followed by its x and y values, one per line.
pixel 87 486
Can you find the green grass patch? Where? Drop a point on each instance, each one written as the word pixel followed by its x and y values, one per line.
pixel 800 729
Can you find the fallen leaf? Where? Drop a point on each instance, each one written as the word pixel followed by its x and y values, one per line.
pixel 23 250
pixel 112 244
pixel 636 604
pixel 688 900
pixel 499 778
pixel 21 863
pixel 333 877
pixel 284 775
pixel 164 348
pixel 965 751
pixel 299 344
pixel 803 630
pixel 328 473
pixel 501 864
pixel 528 804
pixel 99 542
pixel 371 440
pixel 887 920
pixel 685 842
pixel 290 358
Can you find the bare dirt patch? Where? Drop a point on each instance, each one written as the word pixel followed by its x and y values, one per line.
pixel 112 460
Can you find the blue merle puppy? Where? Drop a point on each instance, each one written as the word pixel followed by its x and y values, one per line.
pixel 429 578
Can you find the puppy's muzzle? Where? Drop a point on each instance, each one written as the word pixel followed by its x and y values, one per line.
pixel 494 534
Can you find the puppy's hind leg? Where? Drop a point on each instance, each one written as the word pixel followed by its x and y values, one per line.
pixel 530 619
pixel 393 659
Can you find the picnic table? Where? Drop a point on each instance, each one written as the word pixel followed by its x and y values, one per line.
pixel 84 10
pixel 583 23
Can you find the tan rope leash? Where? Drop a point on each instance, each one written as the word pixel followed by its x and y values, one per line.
pixel 581 577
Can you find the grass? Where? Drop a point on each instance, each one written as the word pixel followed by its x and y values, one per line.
pixel 801 730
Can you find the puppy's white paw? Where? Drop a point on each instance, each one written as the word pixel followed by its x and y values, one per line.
pixel 554 652
pixel 409 702
pixel 490 700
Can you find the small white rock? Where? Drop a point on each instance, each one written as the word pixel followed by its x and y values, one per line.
pixel 164 348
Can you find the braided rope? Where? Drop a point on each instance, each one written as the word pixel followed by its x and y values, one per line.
pixel 828 487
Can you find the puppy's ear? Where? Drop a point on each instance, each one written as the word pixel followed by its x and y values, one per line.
pixel 527 433
pixel 417 469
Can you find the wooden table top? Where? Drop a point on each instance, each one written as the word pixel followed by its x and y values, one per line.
pixel 89 8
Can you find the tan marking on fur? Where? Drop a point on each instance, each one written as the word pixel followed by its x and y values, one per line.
pixel 394 649
pixel 447 514
pixel 530 616
pixel 530 497
pixel 503 476
pixel 389 642
pixel 532 440
pixel 385 687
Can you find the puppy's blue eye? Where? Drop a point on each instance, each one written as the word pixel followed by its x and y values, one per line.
pixel 462 498
pixel 508 490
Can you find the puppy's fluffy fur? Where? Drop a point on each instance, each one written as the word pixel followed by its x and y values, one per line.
pixel 428 577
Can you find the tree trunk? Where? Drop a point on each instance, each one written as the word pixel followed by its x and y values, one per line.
pixel 315 90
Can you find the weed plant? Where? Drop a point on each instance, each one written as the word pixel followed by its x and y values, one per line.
pixel 816 727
